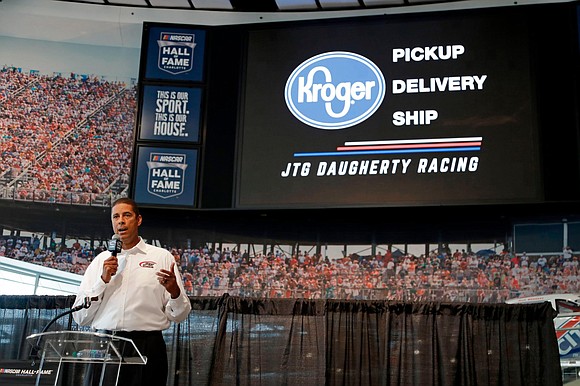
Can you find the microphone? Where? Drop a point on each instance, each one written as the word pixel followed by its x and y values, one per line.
pixel 115 245
pixel 85 304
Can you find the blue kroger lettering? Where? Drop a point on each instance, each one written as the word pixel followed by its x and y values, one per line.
pixel 335 90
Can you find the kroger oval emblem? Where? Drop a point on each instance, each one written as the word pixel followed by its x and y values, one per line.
pixel 335 90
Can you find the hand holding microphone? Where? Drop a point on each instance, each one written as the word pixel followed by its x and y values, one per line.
pixel 111 265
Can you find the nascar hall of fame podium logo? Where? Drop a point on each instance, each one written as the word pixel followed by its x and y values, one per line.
pixel 176 52
pixel 166 174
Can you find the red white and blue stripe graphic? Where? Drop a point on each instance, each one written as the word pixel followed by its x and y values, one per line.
pixel 568 337
pixel 566 325
pixel 402 146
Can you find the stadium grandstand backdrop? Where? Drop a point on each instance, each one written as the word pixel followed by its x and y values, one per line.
pixel 57 131
pixel 244 134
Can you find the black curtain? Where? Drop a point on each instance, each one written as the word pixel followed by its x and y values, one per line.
pixel 248 341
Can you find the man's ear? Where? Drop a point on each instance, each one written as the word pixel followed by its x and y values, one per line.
pixel 139 220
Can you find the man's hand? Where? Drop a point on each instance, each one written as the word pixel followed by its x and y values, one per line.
pixel 110 267
pixel 169 281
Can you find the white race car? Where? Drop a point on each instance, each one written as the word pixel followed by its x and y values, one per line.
pixel 567 323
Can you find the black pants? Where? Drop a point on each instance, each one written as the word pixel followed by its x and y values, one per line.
pixel 154 373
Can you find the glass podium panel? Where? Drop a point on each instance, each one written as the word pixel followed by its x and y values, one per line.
pixel 85 347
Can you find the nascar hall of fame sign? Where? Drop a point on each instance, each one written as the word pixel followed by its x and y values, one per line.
pixel 23 372
pixel 170 114
pixel 166 172
pixel 175 54
pixel 166 176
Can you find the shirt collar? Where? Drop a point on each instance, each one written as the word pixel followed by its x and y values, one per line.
pixel 139 247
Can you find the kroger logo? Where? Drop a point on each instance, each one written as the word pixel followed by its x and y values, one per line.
pixel 335 90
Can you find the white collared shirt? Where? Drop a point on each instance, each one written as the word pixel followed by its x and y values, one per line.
pixel 133 300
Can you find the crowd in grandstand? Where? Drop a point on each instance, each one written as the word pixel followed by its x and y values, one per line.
pixel 57 135
pixel 457 276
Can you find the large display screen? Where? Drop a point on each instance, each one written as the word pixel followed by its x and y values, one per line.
pixel 425 109
pixel 455 107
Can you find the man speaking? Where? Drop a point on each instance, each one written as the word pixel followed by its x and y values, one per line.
pixel 136 293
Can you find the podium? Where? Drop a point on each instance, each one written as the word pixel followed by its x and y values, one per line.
pixel 96 350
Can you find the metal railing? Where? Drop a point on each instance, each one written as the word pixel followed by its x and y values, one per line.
pixel 58 197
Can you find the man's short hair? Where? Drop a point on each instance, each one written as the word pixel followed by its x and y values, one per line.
pixel 127 200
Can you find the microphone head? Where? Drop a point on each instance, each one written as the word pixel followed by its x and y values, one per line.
pixel 115 245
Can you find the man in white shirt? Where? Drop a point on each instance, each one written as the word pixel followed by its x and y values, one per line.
pixel 567 253
pixel 139 293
